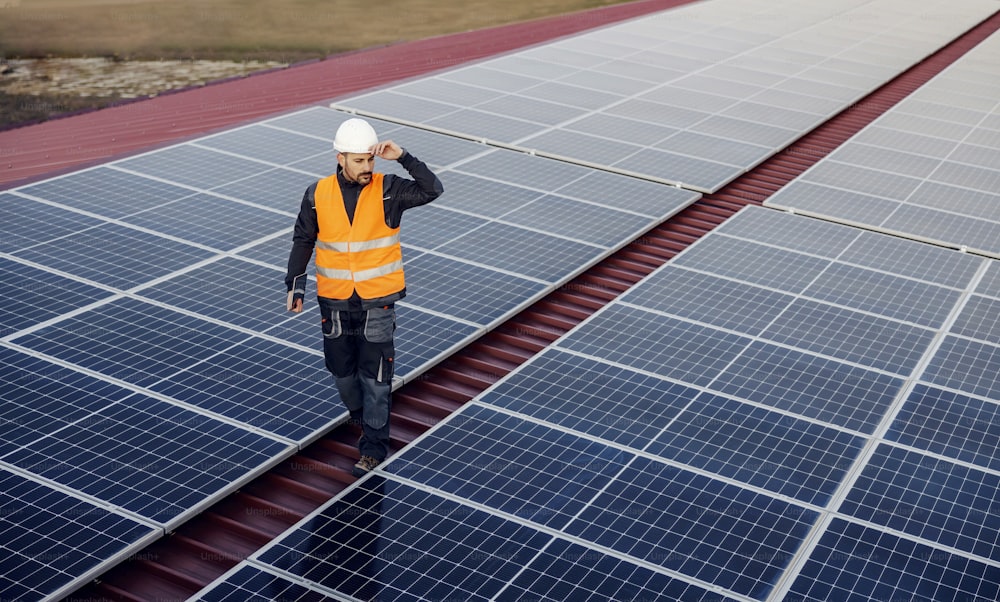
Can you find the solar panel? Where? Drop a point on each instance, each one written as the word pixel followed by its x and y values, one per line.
pixel 150 289
pixel 924 169
pixel 50 538
pixel 752 84
pixel 750 453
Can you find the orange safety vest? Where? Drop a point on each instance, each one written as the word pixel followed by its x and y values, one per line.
pixel 364 255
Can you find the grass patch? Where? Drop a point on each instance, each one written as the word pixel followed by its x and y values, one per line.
pixel 269 30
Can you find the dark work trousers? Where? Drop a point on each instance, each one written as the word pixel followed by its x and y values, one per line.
pixel 359 351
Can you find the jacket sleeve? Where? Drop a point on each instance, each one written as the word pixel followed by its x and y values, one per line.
pixel 303 238
pixel 404 193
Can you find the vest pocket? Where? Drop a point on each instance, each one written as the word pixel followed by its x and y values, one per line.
pixel 380 322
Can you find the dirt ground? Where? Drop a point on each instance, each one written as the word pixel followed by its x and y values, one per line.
pixel 63 56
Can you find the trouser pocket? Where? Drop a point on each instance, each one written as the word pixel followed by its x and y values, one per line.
pixel 332 328
pixel 380 323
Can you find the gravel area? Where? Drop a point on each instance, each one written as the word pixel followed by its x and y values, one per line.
pixel 102 77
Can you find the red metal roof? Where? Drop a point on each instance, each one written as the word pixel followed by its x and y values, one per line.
pixel 32 152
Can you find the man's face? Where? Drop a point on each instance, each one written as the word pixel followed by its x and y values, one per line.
pixel 357 167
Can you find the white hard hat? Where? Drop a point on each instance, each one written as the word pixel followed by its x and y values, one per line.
pixel 355 136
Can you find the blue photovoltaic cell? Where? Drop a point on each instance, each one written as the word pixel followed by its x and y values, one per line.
pixel 279 189
pixel 852 336
pixel 595 224
pixel 793 457
pixel 950 424
pixel 656 343
pixel 231 290
pixel 592 397
pixel 628 194
pixel 527 470
pixel 970 366
pixel 132 341
pixel 933 499
pixel 990 284
pixel 270 386
pixel 151 457
pixel 524 169
pixel 51 539
pixel 980 319
pixel 721 534
pixel 902 257
pixel 884 294
pixel 212 221
pixel 811 386
pixel 193 166
pixel 751 262
pixel 468 292
pixel 388 541
pixel 430 226
pixel 115 256
pixel 107 192
pixel 789 231
pixel 273 251
pixel 854 563
pixel 708 299
pixel 267 144
pixel 249 583
pixel 521 251
pixel 422 337
pixel 38 398
pixel 568 571
pixel 25 223
pixel 482 197
pixel 32 296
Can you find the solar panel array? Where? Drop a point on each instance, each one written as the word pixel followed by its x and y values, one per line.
pixel 145 305
pixel 696 95
pixel 167 372
pixel 928 168
pixel 803 424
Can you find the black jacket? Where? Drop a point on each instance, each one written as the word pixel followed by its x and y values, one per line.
pixel 399 194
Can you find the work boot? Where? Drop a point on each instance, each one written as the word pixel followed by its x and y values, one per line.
pixel 365 465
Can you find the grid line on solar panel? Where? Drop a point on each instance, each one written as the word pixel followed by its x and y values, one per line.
pixel 792 457
pixel 106 192
pixel 386 539
pixel 28 222
pixel 153 458
pixel 231 290
pixel 251 582
pixel 114 255
pixel 194 166
pixel 40 397
pixel 820 388
pixel 935 500
pixel 39 296
pixel 196 220
pixel 967 365
pixel 115 340
pixel 851 336
pixel 525 470
pixel 591 397
pixel 856 563
pixel 266 143
pixel 265 385
pixel 568 571
pixel 53 541
pixel 707 299
pixel 469 292
pixel 696 526
pixel 634 337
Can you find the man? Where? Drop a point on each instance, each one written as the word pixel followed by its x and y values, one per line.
pixel 352 219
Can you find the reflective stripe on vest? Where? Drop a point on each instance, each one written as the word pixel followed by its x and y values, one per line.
pixel 364 255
